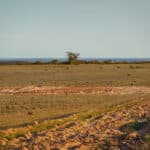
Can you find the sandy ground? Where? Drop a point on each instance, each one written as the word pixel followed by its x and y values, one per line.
pixel 76 90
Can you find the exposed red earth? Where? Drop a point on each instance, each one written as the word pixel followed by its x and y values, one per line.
pixel 75 90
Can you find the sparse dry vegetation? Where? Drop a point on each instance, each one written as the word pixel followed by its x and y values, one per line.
pixel 76 75
pixel 74 119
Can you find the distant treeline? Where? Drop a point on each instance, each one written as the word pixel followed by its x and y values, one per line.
pixel 75 62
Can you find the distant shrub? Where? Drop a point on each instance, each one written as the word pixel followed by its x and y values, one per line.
pixel 38 63
pixel 107 61
pixel 132 67
pixel 72 57
pixel 55 61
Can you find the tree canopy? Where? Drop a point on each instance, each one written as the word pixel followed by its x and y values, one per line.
pixel 72 56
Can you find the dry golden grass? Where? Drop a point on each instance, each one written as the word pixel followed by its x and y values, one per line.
pixel 26 108
pixel 91 74
pixel 45 111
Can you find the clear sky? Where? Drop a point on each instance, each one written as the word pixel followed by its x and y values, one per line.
pixel 95 28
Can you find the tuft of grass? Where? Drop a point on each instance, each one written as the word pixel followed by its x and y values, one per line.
pixel 134 126
pixel 147 138
pixel 146 143
pixel 137 126
pixel 15 135
pixel 7 147
pixel 48 125
pixel 106 145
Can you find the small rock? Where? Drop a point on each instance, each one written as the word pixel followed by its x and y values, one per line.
pixel 25 148
pixel 28 136
pixel 30 113
pixel 22 139
pixel 14 142
pixel 133 135
pixel 36 122
pixel 3 142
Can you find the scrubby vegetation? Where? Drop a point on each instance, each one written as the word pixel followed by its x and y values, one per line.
pixel 75 119
pixel 72 75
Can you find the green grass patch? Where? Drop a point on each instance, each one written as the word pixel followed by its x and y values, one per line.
pixel 134 126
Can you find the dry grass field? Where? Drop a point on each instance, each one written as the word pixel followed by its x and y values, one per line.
pixel 91 74
pixel 94 106
pixel 21 109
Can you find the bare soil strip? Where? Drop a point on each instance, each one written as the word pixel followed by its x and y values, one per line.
pixel 76 90
pixel 104 132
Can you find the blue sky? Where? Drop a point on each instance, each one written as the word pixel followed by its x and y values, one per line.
pixel 95 28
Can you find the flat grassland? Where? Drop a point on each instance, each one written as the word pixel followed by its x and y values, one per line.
pixel 66 75
pixel 27 107
pixel 22 109
pixel 27 114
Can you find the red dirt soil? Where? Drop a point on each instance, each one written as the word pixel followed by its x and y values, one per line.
pixel 76 90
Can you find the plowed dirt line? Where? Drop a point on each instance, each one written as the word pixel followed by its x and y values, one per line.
pixel 75 90
pixel 93 133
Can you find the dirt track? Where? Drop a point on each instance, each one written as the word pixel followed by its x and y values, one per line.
pixel 75 90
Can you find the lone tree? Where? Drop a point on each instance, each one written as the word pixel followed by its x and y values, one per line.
pixel 72 57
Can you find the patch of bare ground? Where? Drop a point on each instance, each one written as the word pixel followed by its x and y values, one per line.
pixel 123 128
pixel 75 90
